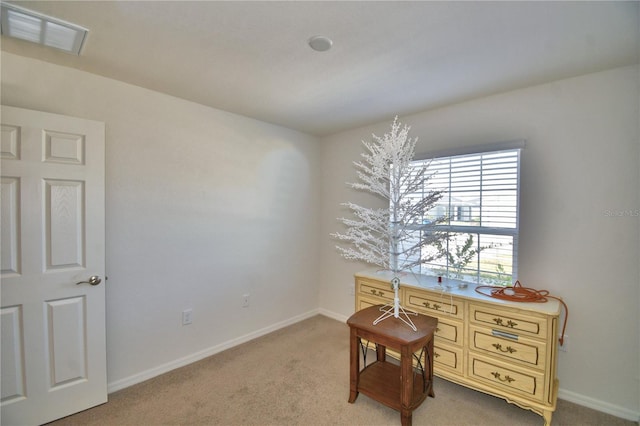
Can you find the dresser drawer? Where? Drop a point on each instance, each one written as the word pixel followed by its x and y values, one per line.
pixel 509 320
pixel 448 357
pixel 449 331
pixel 365 302
pixel 529 352
pixel 506 378
pixel 380 290
pixel 433 304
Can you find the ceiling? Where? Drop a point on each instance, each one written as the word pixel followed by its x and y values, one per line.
pixel 388 58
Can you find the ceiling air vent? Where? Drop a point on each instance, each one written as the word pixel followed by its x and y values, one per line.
pixel 35 27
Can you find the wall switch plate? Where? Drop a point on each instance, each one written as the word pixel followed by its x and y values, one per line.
pixel 187 316
pixel 245 300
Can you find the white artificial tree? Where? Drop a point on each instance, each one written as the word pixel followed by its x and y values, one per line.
pixel 386 237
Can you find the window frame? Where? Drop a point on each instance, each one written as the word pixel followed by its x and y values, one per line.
pixel 516 146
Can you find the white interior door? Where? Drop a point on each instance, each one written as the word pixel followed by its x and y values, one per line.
pixel 52 206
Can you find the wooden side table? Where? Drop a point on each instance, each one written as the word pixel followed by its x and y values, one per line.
pixel 399 387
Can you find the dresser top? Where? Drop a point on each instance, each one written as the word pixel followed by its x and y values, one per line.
pixel 450 287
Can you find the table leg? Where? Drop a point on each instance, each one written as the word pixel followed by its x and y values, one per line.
pixel 354 365
pixel 406 418
pixel 429 364
pixel 406 385
pixel 381 352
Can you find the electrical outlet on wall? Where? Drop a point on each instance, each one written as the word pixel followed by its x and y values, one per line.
pixel 187 316
pixel 564 347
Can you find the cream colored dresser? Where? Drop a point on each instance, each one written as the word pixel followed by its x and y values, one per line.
pixel 506 349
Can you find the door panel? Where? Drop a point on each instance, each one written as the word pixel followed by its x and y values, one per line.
pixel 10 204
pixel 64 224
pixel 13 378
pixel 53 329
pixel 66 338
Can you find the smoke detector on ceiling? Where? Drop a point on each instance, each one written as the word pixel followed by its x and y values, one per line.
pixel 320 43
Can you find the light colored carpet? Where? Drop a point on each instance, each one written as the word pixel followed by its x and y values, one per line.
pixel 299 375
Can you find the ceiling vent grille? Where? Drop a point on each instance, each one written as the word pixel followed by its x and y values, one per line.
pixel 35 27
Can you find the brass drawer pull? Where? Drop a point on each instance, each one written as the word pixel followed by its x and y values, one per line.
pixel 435 306
pixel 509 323
pixel 506 378
pixel 377 293
pixel 509 349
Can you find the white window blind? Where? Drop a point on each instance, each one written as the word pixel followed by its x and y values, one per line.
pixel 478 212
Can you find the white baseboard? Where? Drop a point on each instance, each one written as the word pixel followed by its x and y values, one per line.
pixel 573 397
pixel 181 362
pixel 333 315
pixel 598 405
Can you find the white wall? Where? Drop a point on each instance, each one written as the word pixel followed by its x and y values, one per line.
pixel 202 207
pixel 580 169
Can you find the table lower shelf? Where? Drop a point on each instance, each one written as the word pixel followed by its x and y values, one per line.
pixel 381 381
